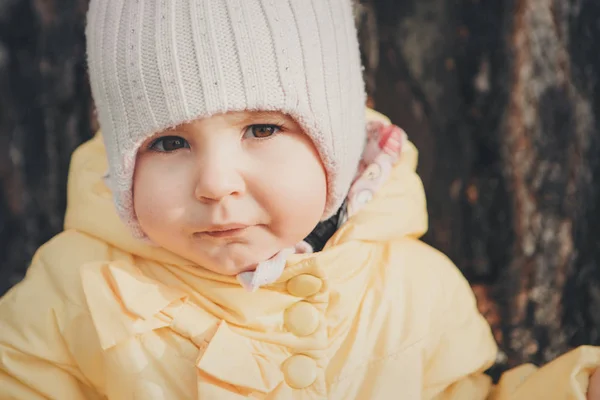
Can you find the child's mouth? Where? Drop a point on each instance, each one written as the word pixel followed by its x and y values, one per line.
pixel 225 231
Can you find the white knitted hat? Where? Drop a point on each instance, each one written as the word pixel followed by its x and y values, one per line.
pixel 155 64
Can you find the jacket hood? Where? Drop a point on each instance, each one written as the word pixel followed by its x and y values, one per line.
pixel 397 210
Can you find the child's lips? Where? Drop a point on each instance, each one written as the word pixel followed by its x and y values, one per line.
pixel 225 231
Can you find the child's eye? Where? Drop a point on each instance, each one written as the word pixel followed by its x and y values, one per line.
pixel 168 144
pixel 261 131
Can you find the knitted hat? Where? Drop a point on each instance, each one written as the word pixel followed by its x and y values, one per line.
pixel 155 64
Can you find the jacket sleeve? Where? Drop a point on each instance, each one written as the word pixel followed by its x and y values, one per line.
pixel 460 345
pixel 464 348
pixel 35 362
pixel 567 377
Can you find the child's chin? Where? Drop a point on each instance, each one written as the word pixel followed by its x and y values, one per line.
pixel 229 267
pixel 232 260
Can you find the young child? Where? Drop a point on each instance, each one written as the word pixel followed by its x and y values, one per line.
pixel 267 245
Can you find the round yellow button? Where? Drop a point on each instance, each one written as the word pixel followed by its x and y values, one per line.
pixel 300 371
pixel 302 319
pixel 304 285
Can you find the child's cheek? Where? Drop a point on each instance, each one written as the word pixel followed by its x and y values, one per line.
pixel 295 191
pixel 159 188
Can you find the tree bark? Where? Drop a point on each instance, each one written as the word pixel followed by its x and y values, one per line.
pixel 502 99
pixel 44 115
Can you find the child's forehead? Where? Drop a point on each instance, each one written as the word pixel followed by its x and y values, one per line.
pixel 242 118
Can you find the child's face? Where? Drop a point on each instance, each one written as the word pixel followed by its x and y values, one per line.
pixel 230 191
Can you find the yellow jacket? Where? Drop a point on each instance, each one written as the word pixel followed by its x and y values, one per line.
pixel 376 315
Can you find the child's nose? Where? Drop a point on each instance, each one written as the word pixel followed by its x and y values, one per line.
pixel 217 181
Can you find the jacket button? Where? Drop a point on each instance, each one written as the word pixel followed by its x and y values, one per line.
pixel 304 285
pixel 302 319
pixel 300 371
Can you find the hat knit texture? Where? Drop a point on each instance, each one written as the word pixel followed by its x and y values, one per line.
pixel 155 64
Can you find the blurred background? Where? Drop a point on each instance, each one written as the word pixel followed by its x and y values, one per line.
pixel 502 98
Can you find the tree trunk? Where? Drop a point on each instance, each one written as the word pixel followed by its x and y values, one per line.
pixel 44 114
pixel 501 98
